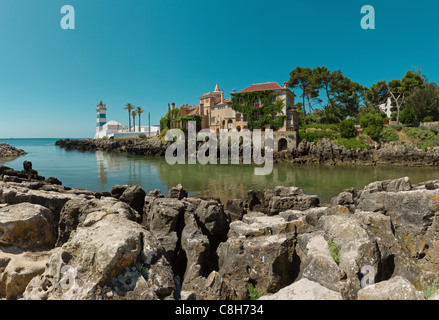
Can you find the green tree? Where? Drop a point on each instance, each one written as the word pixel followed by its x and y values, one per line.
pixel 425 101
pixel 408 115
pixel 328 114
pixel 134 114
pixel 139 111
pixel 130 108
pixel 302 78
pixel 341 92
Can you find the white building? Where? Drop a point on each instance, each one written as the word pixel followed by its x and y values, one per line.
pixel 116 129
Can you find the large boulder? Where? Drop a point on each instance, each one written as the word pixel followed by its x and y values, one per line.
pixel 396 288
pixel 414 216
pixel 76 211
pixel 97 256
pixel 18 267
pixel 27 226
pixel 304 289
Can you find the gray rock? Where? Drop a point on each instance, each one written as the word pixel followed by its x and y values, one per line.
pixel 304 289
pixel 27 226
pixel 397 288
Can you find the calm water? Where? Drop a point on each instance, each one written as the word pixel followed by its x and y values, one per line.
pixel 100 171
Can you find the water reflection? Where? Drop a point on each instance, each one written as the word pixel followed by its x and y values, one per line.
pixel 100 171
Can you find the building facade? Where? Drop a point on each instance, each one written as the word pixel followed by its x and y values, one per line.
pixel 216 113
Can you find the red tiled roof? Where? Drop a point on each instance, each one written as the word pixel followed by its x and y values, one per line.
pixel 262 87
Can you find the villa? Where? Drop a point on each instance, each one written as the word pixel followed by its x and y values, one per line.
pixel 216 113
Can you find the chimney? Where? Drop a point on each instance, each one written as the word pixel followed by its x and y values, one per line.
pixel 169 108
pixel 285 85
pixel 234 90
pixel 222 97
pixel 173 105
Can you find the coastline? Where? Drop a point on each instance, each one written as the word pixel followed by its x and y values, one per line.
pixel 322 152
pixel 178 247
pixel 8 151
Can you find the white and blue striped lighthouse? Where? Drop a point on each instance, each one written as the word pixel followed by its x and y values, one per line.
pixel 101 113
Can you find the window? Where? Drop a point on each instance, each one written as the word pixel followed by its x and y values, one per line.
pixel 274 116
pixel 273 99
pixel 102 115
pixel 289 116
pixel 257 117
pixel 238 117
pixel 245 117
pixel 257 103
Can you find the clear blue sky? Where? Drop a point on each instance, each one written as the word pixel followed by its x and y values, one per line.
pixel 150 53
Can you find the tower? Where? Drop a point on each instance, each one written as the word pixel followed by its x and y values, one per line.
pixel 101 113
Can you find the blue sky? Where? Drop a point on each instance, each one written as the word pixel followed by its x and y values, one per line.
pixel 150 53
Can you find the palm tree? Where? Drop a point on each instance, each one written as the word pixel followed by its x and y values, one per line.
pixel 134 114
pixel 130 108
pixel 139 111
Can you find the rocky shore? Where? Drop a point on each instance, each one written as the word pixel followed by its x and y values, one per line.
pixel 8 151
pixel 323 152
pixel 63 243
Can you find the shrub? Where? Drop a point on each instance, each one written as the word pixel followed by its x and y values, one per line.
pixel 314 136
pixel 334 249
pixel 397 127
pixel 142 136
pixel 427 119
pixel 330 127
pixel 352 143
pixel 389 134
pixel 432 289
pixel 435 130
pixel 372 124
pixel 347 129
pixel 253 293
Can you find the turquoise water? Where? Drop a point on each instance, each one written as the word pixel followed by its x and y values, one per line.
pixel 100 171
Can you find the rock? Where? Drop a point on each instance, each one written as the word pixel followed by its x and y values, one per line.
pixel 396 288
pixel 177 192
pixel 135 198
pixel 118 190
pixel 76 211
pixel 236 208
pixel 7 151
pixel 18 267
pixel 304 289
pixel 96 258
pixel 266 262
pixel 319 265
pixel 434 296
pixel 414 217
pixel 279 199
pixel 52 180
pixel 210 217
pixel 27 226
pixel 164 215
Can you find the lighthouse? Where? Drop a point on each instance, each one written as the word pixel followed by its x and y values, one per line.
pixel 101 113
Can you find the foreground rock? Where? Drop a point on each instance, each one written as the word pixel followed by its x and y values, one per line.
pixel 61 243
pixel 396 288
pixel 304 290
